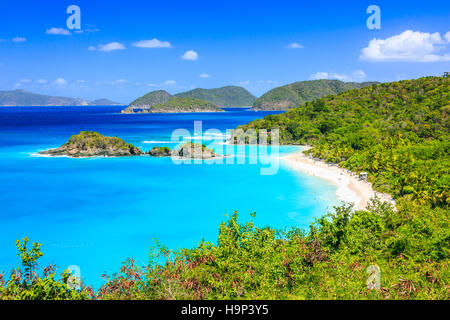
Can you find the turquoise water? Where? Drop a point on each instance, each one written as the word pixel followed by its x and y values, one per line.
pixel 95 213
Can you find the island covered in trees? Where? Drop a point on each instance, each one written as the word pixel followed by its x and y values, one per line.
pixel 197 99
pixel 175 105
pixel 93 144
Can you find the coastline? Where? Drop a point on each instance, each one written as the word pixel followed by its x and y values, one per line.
pixel 349 187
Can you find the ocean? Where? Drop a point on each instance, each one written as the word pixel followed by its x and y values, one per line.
pixel 94 213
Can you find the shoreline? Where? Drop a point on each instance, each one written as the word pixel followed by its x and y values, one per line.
pixel 349 187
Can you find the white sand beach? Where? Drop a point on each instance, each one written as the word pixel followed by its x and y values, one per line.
pixel 350 188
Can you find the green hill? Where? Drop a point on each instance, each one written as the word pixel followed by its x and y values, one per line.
pixel 297 93
pixel 104 102
pixel 397 131
pixel 29 99
pixel 229 96
pixel 147 101
pixel 178 105
pixel 152 98
pixel 26 98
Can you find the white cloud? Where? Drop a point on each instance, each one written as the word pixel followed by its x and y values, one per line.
pixel 58 31
pixel 19 39
pixel 267 82
pixel 109 82
pixel 170 82
pixel 154 43
pixel 41 81
pixel 295 45
pixel 411 46
pixel 87 31
pixel 21 82
pixel 357 75
pixel 112 46
pixel 60 82
pixel 447 36
pixel 319 75
pixel 119 81
pixel 204 75
pixel 338 76
pixel 244 83
pixel 190 55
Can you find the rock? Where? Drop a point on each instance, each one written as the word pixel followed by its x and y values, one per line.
pixel 93 144
pixel 192 150
pixel 160 152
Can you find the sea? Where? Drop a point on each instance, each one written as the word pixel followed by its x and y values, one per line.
pixel 92 214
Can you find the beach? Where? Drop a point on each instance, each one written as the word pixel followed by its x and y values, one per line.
pixel 350 188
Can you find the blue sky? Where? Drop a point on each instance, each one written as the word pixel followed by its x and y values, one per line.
pixel 256 44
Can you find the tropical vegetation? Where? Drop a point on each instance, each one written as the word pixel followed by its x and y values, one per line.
pixel 294 94
pixel 228 96
pixel 397 132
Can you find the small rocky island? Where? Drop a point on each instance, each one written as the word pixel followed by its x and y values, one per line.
pixel 93 144
pixel 175 105
pixel 187 151
pixel 192 150
pixel 160 152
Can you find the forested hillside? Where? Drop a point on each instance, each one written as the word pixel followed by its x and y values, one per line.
pixel 228 96
pixel 398 132
pixel 294 94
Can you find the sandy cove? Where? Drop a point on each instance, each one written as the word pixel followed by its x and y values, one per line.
pixel 349 187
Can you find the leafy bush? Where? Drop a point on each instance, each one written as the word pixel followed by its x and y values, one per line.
pixel 29 283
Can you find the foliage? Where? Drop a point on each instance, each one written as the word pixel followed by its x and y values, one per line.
pixel 297 93
pixel 410 245
pixel 185 104
pixel 28 283
pixel 398 132
pixel 329 262
pixel 91 139
pixel 229 96
pixel 152 98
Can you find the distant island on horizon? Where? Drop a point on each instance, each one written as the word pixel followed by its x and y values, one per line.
pixel 228 96
pixel 277 99
pixel 19 98
pixel 175 105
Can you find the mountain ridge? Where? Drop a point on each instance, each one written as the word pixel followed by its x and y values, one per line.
pixel 294 94
pixel 227 96
pixel 19 97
